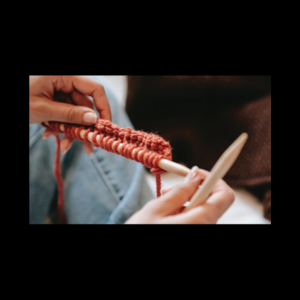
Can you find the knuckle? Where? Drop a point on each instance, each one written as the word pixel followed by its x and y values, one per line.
pixel 39 107
pixel 59 83
pixel 183 191
pixel 100 89
pixel 63 83
pixel 70 114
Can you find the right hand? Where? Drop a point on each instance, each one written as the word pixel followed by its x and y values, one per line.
pixel 167 209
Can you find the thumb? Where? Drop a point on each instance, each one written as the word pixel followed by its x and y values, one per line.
pixel 69 113
pixel 174 199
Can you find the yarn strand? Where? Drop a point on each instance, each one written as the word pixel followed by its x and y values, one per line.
pixel 58 176
pixel 158 185
pixel 145 148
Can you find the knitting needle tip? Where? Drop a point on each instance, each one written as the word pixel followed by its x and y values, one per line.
pixel 218 171
pixel 173 167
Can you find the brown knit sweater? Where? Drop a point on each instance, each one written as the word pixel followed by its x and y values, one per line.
pixel 202 115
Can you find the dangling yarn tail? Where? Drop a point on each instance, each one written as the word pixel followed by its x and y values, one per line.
pixel 158 185
pixel 57 172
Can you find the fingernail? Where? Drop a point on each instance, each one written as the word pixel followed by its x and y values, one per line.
pixel 91 155
pixel 89 118
pixel 192 174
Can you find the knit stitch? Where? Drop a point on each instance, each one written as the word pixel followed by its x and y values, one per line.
pixel 145 148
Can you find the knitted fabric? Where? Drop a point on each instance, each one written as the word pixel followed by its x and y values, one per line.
pixel 145 148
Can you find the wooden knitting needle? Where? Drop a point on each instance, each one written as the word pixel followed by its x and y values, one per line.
pixel 164 164
pixel 218 171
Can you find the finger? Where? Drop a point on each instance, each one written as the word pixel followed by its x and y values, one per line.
pixel 66 144
pixel 90 87
pixel 66 113
pixel 173 200
pixel 216 205
pixel 219 184
pixel 88 148
pixel 210 211
pixel 82 100
pixel 164 191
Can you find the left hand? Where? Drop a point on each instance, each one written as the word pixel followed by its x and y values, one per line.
pixel 65 99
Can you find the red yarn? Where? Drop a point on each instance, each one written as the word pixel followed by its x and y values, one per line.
pixel 59 180
pixel 158 185
pixel 146 148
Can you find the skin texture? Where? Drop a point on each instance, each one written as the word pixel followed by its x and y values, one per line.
pixel 66 99
pixel 167 208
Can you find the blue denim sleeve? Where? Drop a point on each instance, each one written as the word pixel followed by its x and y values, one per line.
pixel 106 189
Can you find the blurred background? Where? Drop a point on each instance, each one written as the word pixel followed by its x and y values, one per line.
pixel 246 209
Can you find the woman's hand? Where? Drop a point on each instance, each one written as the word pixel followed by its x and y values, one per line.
pixel 65 99
pixel 167 209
